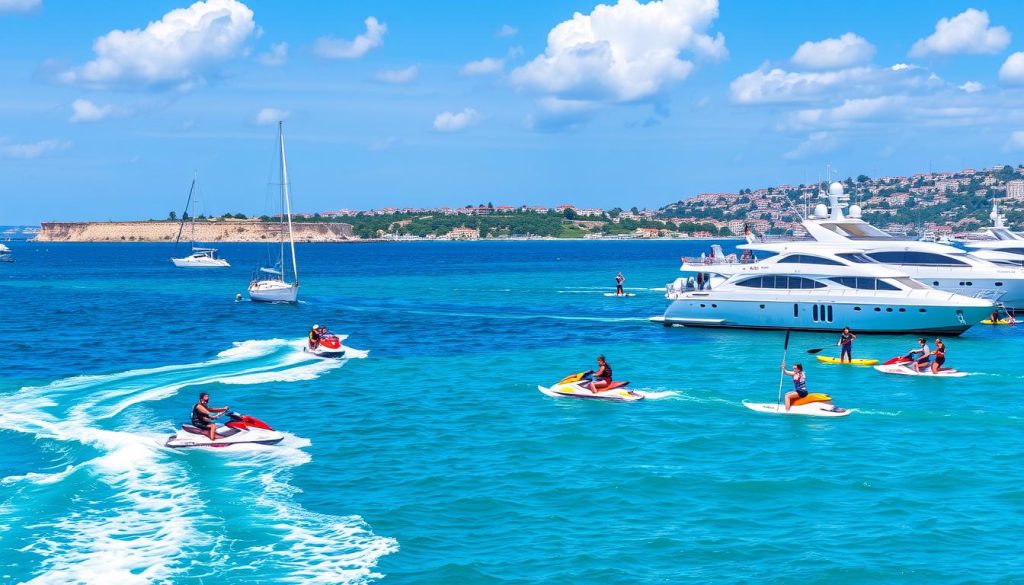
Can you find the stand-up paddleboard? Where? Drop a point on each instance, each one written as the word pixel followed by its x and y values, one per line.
pixel 622 295
pixel 906 370
pixel 814 404
pixel 573 391
pixel 999 322
pixel 854 362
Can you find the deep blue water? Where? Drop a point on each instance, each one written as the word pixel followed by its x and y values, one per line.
pixel 434 459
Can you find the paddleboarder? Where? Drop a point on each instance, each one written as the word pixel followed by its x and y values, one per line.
pixel 799 383
pixel 619 279
pixel 845 344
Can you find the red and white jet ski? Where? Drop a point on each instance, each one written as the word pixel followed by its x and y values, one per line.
pixel 904 365
pixel 329 346
pixel 241 429
pixel 578 386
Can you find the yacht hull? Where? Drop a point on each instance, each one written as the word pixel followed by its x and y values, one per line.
pixel 191 262
pixel 273 292
pixel 824 317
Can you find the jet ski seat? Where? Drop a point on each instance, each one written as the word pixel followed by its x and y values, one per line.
pixel 198 431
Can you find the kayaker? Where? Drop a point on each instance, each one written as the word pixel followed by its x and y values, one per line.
pixel 925 354
pixel 619 279
pixel 994 317
pixel 845 344
pixel 799 383
pixel 602 377
pixel 940 356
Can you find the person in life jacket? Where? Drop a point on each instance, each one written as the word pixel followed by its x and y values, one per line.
pixel 602 377
pixel 314 337
pixel 203 415
pixel 799 383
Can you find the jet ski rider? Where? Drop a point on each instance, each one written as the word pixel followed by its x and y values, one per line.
pixel 203 415
pixel 925 355
pixel 314 336
pixel 602 378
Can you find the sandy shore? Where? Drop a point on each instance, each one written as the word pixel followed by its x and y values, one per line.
pixel 206 231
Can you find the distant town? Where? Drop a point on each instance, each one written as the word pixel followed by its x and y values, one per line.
pixel 952 204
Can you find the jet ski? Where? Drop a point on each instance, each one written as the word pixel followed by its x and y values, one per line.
pixel 329 346
pixel 814 404
pixel 578 386
pixel 241 429
pixel 904 365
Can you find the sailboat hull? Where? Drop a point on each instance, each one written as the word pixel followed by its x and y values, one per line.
pixel 200 262
pixel 273 291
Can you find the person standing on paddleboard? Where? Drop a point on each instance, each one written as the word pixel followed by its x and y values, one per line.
pixel 799 383
pixel 619 279
pixel 925 354
pixel 940 356
pixel 845 344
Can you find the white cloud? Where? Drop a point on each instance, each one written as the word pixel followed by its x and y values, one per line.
pixel 847 50
pixel 624 52
pixel 175 51
pixel 817 143
pixel 397 76
pixel 1016 141
pixel 1012 70
pixel 971 86
pixel 86 111
pixel 486 66
pixel 555 114
pixel 506 31
pixel 967 32
pixel 268 116
pixel 331 48
pixel 277 56
pixel 383 144
pixel 847 113
pixel 449 122
pixel 19 5
pixel 34 149
pixel 778 85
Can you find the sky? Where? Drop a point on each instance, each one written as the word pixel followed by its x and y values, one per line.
pixel 105 113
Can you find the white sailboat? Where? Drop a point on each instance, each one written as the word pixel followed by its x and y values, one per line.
pixel 200 257
pixel 269 284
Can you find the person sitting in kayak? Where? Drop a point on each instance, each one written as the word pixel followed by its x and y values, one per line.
pixel 203 415
pixel 799 383
pixel 845 344
pixel 314 337
pixel 619 279
pixel 602 377
pixel 940 355
pixel 925 354
pixel 994 317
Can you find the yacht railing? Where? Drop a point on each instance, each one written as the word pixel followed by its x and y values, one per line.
pixel 731 259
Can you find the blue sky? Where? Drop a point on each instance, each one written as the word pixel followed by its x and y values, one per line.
pixel 105 113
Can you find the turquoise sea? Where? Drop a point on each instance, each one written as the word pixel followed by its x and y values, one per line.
pixel 430 456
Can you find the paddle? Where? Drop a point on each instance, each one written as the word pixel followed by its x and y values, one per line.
pixel 815 350
pixel 785 348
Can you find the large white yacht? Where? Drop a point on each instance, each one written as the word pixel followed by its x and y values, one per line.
pixel 1001 245
pixel 937 265
pixel 824 290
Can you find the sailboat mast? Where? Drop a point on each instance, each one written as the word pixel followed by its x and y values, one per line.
pixel 195 176
pixel 287 203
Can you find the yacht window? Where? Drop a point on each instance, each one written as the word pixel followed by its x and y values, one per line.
pixel 858 258
pixel 916 258
pixel 1011 250
pixel 910 282
pixel 751 282
pixel 787 282
pixel 863 283
pixel 805 259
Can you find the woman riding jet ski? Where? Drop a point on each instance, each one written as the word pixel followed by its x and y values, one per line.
pixel 324 343
pixel 594 385
pixel 205 433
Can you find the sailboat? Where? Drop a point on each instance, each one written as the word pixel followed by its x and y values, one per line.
pixel 268 283
pixel 200 257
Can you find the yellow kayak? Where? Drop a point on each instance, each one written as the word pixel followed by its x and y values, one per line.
pixel 999 322
pixel 856 362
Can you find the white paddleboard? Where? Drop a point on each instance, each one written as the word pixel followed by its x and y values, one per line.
pixel 624 295
pixel 927 372
pixel 614 395
pixel 813 409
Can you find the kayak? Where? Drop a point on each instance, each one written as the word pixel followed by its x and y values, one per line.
pixel 999 322
pixel 854 362
pixel 622 295
pixel 814 404
pixel 905 369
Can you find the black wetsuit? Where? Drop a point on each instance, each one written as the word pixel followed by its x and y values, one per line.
pixel 606 375
pixel 200 419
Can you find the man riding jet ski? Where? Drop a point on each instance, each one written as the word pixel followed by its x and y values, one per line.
pixel 324 343
pixel 205 433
